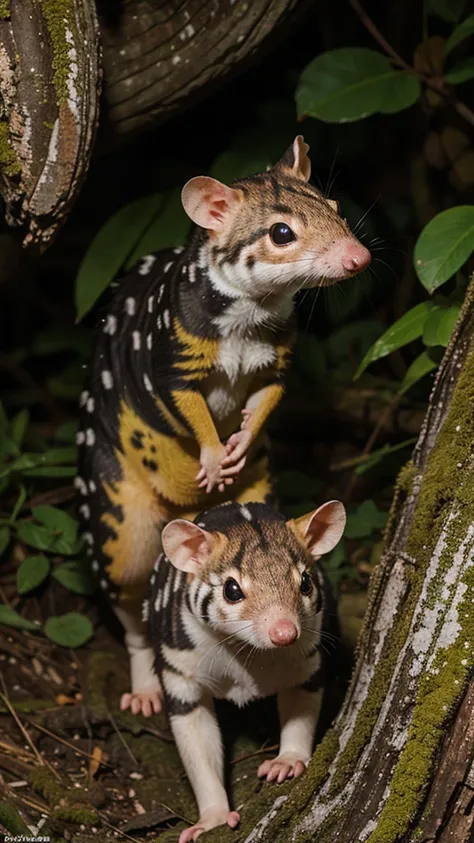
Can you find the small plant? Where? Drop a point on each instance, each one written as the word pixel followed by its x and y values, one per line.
pixel 49 529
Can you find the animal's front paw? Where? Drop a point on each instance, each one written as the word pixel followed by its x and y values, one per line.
pixel 210 474
pixel 287 766
pixel 210 819
pixel 143 702
pixel 236 446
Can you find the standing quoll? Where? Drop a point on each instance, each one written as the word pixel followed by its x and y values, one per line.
pixel 188 367
pixel 241 613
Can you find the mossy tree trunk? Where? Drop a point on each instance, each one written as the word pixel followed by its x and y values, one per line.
pixel 398 765
pixel 157 58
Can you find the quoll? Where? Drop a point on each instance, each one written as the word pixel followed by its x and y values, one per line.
pixel 241 613
pixel 189 364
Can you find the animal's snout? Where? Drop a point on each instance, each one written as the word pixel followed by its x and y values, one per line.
pixel 355 258
pixel 283 633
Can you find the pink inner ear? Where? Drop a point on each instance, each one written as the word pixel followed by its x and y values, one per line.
pixel 218 209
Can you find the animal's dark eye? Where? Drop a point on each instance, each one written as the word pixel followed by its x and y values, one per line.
pixel 232 591
pixel 306 586
pixel 281 234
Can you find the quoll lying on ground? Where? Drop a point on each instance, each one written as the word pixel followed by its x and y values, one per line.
pixel 240 614
pixel 188 367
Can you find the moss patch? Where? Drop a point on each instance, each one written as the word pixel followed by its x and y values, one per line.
pixel 9 162
pixel 371 706
pixel 12 821
pixel 67 805
pixel 4 9
pixel 447 481
pixel 58 15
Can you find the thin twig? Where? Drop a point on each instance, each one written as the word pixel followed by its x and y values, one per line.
pixel 122 739
pixel 117 830
pixel 261 751
pixel 26 736
pixel 63 741
pixel 462 109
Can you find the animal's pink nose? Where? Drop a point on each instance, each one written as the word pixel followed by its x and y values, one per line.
pixel 283 633
pixel 356 258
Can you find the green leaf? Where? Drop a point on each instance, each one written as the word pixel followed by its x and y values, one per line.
pixel 430 328
pixel 449 317
pixel 69 630
pixel 464 30
pixel 61 525
pixel 364 520
pixel 406 329
pixel 67 432
pixel 20 464
pixel 3 419
pixel 56 519
pixel 54 456
pixel 169 228
pixel 31 573
pixel 444 245
pixel 448 10
pixel 110 249
pixel 22 495
pixel 421 366
pixel 18 427
pixel 461 72
pixel 376 457
pixel 9 617
pixel 351 83
pixel 76 577
pixel 439 325
pixel 35 535
pixel 402 90
pixel 51 471
pixel 4 538
pixel 8 448
pixel 296 484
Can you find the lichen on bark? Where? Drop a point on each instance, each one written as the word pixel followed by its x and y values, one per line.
pixel 57 14
pixel 9 162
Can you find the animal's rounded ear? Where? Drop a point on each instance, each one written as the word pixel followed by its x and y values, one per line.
pixel 296 159
pixel 186 545
pixel 208 202
pixel 322 529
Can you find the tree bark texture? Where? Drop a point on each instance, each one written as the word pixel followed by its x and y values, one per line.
pixel 49 106
pixel 158 57
pixel 161 56
pixel 398 764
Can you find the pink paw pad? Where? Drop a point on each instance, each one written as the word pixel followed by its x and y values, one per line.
pixel 279 769
pixel 142 702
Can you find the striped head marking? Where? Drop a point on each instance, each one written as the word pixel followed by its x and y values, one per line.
pixel 252 568
pixel 273 232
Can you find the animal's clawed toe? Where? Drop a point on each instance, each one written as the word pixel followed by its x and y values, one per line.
pixel 142 702
pixel 286 766
pixel 210 819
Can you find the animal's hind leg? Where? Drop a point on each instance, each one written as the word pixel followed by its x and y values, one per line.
pixel 145 695
pixel 128 525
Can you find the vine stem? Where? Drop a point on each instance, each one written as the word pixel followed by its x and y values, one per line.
pixel 436 85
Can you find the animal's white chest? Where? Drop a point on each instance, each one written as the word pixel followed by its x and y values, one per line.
pixel 242 356
pixel 238 360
